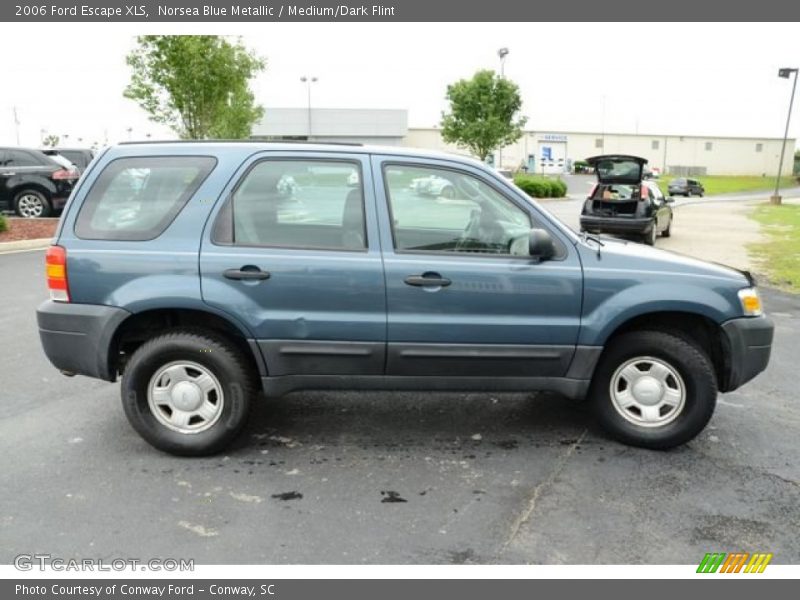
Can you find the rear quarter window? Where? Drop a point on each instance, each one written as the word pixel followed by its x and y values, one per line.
pixel 135 199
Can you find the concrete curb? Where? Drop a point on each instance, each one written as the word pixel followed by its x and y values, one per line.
pixel 21 245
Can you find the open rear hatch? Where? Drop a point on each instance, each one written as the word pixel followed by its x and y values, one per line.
pixel 618 168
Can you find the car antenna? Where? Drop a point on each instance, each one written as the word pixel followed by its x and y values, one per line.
pixel 596 240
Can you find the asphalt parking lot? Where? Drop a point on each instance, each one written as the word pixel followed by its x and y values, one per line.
pixel 388 477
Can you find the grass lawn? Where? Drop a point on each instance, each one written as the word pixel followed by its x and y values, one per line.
pixel 781 251
pixel 726 184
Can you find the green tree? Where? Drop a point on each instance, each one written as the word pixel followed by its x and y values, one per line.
pixel 51 140
pixel 484 113
pixel 196 84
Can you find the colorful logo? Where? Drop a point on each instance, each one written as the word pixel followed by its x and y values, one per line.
pixel 737 562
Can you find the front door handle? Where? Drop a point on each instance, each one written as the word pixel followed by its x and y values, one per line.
pixel 427 280
pixel 248 274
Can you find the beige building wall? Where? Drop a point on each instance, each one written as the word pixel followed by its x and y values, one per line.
pixel 714 155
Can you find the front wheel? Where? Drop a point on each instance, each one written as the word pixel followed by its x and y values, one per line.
pixel 187 392
pixel 653 389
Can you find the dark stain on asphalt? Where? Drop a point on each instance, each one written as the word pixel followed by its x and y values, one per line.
pixel 390 496
pixel 507 444
pixel 288 496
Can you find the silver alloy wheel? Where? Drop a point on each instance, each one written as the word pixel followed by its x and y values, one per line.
pixel 648 392
pixel 185 396
pixel 30 206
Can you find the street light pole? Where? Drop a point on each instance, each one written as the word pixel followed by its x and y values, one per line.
pixel 308 81
pixel 502 53
pixel 784 73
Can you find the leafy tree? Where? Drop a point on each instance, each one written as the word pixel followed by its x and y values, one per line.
pixel 51 140
pixel 484 113
pixel 195 84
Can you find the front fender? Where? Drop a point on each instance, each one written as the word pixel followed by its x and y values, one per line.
pixel 607 307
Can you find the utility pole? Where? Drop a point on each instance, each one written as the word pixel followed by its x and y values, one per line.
pixel 16 123
pixel 784 73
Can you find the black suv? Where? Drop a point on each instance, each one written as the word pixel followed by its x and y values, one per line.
pixel 683 186
pixel 32 184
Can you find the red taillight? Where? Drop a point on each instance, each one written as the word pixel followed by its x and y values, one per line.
pixel 56 267
pixel 63 174
pixel 644 193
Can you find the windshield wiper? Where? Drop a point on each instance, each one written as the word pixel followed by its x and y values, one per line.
pixel 595 239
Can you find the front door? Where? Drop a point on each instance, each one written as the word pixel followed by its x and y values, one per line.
pixel 464 297
pixel 293 254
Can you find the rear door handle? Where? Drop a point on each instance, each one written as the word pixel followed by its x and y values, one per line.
pixel 427 280
pixel 251 274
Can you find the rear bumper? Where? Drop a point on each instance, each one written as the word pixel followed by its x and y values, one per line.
pixel 749 343
pixel 615 224
pixel 76 337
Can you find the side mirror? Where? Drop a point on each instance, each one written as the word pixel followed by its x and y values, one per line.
pixel 540 245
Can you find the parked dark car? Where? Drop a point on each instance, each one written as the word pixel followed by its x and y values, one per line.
pixel 32 184
pixel 623 203
pixel 189 270
pixel 683 186
pixel 80 157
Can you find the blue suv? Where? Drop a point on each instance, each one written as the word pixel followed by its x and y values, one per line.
pixel 204 272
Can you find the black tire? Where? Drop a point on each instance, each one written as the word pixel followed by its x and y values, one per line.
pixel 650 237
pixel 25 201
pixel 214 353
pixel 668 231
pixel 690 362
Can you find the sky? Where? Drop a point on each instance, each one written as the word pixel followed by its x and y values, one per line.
pixel 659 78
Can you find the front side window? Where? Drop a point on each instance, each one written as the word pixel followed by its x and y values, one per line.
pixel 135 199
pixel 299 204
pixel 438 210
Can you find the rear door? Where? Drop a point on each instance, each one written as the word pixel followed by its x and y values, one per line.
pixel 618 168
pixel 293 254
pixel 464 298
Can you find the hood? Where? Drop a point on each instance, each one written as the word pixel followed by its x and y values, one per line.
pixel 619 254
pixel 618 168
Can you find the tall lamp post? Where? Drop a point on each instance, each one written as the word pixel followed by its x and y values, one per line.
pixel 785 73
pixel 501 53
pixel 308 81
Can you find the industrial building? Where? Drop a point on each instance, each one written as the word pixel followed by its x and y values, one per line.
pixel 537 151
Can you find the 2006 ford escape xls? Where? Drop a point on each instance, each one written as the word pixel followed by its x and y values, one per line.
pixel 200 272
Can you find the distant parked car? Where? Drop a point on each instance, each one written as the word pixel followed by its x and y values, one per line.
pixel 32 184
pixel 80 157
pixel 683 186
pixel 652 172
pixel 624 203
pixel 433 186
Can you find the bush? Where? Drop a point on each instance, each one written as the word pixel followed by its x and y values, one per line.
pixel 3 224
pixel 540 187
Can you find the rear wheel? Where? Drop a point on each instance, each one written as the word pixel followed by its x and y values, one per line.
pixel 650 237
pixel 32 204
pixel 668 231
pixel 187 392
pixel 653 389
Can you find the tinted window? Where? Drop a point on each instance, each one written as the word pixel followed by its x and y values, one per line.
pixel 23 158
pixel 438 210
pixel 137 198
pixel 299 204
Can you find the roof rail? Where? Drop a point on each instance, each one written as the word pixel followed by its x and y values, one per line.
pixel 247 141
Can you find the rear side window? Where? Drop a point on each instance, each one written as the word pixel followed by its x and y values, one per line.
pixel 289 203
pixel 135 199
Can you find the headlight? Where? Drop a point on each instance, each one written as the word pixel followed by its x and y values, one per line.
pixel 751 302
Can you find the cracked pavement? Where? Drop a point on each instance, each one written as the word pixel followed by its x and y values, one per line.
pixel 389 477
